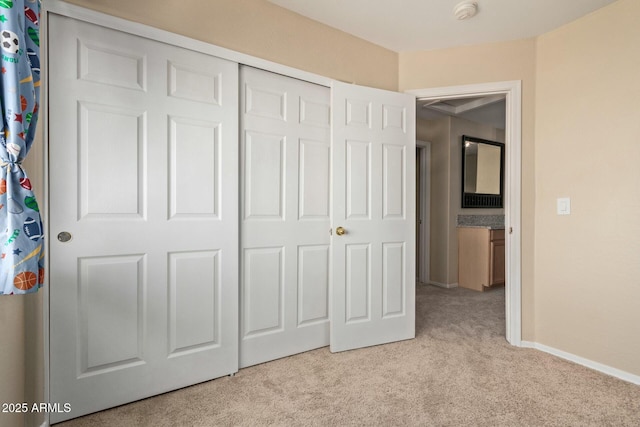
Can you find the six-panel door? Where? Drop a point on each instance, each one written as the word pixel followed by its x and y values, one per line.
pixel 143 174
pixel 373 281
pixel 285 129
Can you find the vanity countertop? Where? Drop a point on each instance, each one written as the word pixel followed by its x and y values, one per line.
pixel 493 222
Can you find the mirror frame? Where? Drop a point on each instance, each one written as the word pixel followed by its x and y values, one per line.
pixel 482 200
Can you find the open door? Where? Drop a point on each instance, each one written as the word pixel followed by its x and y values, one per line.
pixel 373 214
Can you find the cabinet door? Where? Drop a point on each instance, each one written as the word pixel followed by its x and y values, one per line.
pixel 497 262
pixel 474 259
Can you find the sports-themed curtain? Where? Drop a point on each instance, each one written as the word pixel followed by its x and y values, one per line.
pixel 21 240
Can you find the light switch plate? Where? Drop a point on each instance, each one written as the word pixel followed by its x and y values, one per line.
pixel 564 206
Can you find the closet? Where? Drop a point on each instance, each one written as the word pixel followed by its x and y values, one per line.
pixel 202 199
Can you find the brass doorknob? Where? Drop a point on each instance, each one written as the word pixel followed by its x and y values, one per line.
pixel 340 231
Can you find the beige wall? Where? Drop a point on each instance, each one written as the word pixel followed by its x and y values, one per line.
pixel 12 356
pixel 481 64
pixel 437 132
pixel 445 136
pixel 580 88
pixel 264 30
pixel 587 264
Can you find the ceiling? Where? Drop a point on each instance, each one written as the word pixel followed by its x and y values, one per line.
pixel 490 110
pixel 410 25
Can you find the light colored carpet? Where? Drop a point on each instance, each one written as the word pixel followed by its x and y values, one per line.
pixel 458 371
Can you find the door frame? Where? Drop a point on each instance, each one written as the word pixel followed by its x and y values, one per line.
pixel 424 199
pixel 512 90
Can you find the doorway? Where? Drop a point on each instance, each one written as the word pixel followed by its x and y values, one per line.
pixel 511 90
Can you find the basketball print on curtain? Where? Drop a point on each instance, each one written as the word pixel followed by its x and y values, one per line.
pixel 21 233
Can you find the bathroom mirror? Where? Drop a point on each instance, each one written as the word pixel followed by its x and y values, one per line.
pixel 482 173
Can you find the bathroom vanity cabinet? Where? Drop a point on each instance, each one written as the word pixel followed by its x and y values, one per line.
pixel 481 257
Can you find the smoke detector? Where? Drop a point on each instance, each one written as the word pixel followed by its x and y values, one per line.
pixel 465 10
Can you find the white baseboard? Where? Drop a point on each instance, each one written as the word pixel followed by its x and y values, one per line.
pixel 605 369
pixel 443 285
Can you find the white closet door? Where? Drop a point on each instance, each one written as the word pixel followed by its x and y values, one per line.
pixel 373 288
pixel 285 257
pixel 143 175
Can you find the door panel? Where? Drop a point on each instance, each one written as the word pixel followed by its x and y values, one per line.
pixel 194 158
pixel 313 280
pixel 107 341
pixel 264 176
pixel 393 279
pixel 314 192
pixel 358 176
pixel 358 282
pixel 263 291
pixel 143 173
pixel 194 311
pixel 373 289
pixel 285 170
pixel 393 177
pixel 122 196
